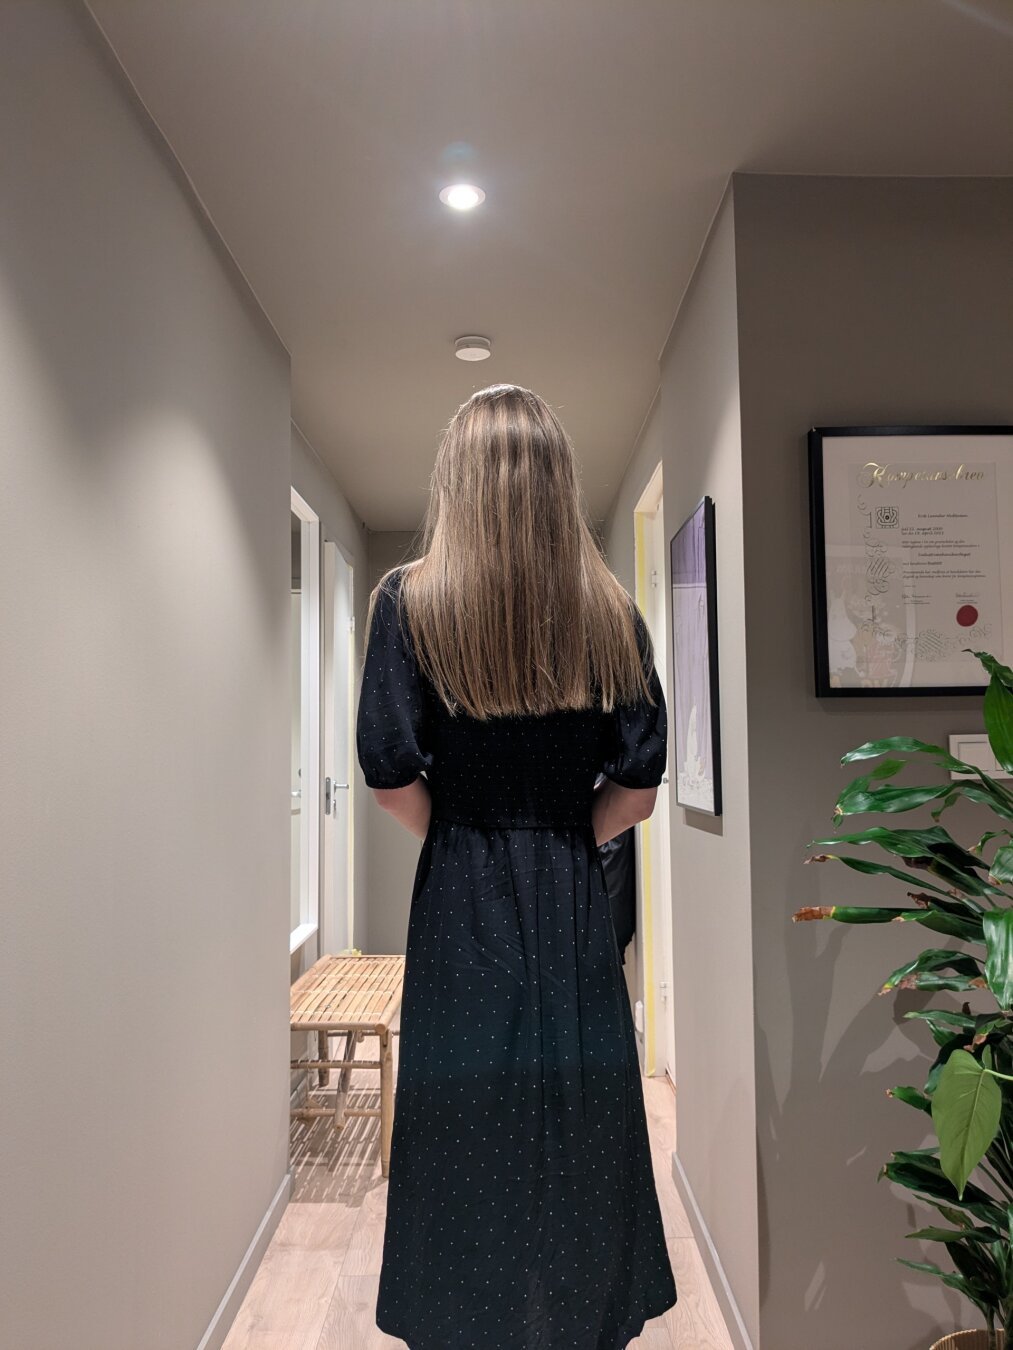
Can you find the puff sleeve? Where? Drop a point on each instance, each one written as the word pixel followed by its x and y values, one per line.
pixel 640 730
pixel 389 727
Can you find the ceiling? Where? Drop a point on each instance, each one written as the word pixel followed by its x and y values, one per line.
pixel 319 132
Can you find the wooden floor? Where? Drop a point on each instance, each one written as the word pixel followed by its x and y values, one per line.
pixel 316 1286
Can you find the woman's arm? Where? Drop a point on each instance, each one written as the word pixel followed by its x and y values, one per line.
pixel 409 805
pixel 616 808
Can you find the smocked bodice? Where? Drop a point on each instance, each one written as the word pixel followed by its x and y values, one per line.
pixel 514 771
pixel 524 771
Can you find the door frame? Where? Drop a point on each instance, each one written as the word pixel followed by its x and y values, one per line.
pixel 309 726
pixel 654 863
pixel 338 821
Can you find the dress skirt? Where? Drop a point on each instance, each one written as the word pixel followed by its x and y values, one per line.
pixel 521 1209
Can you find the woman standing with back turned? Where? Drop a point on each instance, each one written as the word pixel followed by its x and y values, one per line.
pixel 504 669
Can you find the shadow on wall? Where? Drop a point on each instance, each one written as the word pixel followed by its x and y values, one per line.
pixel 865 1064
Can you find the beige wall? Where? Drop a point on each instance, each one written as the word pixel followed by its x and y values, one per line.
pixel 694 430
pixel 712 966
pixel 144 545
pixel 860 301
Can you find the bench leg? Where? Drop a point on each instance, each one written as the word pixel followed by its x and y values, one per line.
pixel 344 1078
pixel 323 1075
pixel 386 1100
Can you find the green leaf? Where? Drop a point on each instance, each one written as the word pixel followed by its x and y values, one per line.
pixel 962 878
pixel 912 1097
pixel 872 749
pixel 960 1041
pixel 932 850
pixel 991 794
pixel 941 1019
pixel 913 843
pixel 1002 674
pixel 998 709
pixel 920 1172
pixel 948 1041
pixel 933 959
pixel 953 1281
pixel 966 1106
pixel 870 868
pixel 998 927
pixel 926 1266
pixel 952 925
pixel 956 1216
pixel 987 1024
pixel 962 905
pixel 1001 869
pixel 974 1261
pixel 939 921
pixel 852 913
pixel 986 837
pixel 934 982
pixel 945 804
pixel 859 797
pixel 957 1235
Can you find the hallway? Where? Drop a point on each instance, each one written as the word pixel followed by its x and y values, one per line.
pixel 756 257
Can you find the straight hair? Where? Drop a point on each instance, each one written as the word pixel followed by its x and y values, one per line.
pixel 511 608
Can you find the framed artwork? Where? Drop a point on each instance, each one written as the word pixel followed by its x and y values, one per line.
pixel 695 662
pixel 911 541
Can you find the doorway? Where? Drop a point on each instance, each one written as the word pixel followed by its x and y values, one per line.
pixel 338 908
pixel 654 858
pixel 304 882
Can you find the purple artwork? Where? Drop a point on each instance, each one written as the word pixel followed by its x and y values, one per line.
pixel 695 663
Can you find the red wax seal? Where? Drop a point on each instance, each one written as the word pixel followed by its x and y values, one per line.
pixel 966 615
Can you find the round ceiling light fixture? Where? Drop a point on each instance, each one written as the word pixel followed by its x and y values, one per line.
pixel 462 196
pixel 472 348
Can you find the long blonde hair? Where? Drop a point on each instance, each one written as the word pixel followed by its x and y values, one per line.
pixel 511 607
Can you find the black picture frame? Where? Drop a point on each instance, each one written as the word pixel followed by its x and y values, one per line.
pixel 694 627
pixel 817 448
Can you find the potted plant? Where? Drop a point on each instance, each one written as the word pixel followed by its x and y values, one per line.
pixel 961 892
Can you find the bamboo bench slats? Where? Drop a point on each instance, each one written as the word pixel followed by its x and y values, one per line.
pixel 354 996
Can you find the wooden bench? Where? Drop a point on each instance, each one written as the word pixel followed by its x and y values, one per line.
pixel 353 996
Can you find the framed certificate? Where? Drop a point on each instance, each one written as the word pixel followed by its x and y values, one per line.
pixel 695 654
pixel 912 557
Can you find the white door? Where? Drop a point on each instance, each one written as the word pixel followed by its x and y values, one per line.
pixel 338 683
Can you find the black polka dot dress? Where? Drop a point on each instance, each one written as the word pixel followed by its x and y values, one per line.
pixel 521 1207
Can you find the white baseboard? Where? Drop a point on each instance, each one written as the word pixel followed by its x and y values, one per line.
pixel 711 1260
pixel 225 1313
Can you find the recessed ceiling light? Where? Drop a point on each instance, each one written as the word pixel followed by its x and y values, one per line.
pixel 462 196
pixel 472 348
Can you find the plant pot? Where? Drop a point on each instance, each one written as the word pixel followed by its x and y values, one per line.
pixel 970 1340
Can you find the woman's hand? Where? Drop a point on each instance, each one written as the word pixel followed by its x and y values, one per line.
pixel 411 806
pixel 616 808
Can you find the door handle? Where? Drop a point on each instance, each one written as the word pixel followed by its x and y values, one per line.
pixel 330 787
